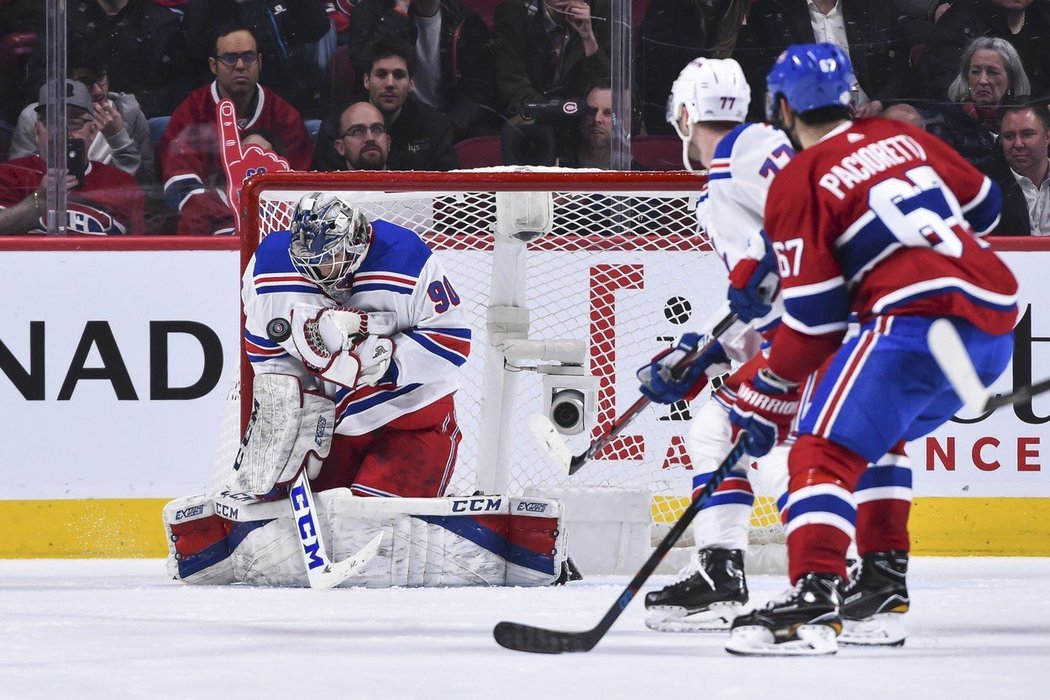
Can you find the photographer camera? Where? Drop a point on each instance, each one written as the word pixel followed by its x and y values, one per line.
pixel 543 134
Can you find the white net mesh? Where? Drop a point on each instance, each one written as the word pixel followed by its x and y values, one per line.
pixel 621 270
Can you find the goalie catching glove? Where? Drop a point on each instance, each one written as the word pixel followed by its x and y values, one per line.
pixel 663 381
pixel 765 407
pixel 334 343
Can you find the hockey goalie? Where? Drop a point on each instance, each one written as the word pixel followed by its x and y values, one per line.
pixel 355 334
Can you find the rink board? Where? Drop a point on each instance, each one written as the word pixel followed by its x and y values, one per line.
pixel 157 305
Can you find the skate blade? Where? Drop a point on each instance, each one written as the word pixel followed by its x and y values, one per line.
pixel 717 618
pixel 813 640
pixel 883 630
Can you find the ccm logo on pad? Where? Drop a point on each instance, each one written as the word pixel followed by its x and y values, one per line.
pixel 479 504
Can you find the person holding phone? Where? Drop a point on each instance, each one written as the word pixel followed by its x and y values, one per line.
pixel 101 200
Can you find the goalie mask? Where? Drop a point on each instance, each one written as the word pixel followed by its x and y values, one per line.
pixel 329 240
pixel 710 90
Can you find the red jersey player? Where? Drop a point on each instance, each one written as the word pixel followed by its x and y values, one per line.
pixel 877 222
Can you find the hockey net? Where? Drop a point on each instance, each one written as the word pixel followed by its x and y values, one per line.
pixel 622 272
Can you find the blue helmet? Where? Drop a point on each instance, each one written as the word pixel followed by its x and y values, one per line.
pixel 809 76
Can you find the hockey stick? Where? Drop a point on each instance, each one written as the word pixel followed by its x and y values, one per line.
pixel 547 435
pixel 951 355
pixel 538 640
pixel 320 570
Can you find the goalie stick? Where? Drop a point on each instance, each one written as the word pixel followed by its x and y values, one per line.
pixel 951 355
pixel 547 435
pixel 320 570
pixel 537 640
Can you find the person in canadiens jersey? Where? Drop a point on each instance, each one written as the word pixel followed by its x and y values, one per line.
pixel 363 312
pixel 880 222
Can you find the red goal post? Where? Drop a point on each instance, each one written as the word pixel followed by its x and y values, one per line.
pixel 619 273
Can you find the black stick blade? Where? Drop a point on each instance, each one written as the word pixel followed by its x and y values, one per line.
pixel 577 462
pixel 537 640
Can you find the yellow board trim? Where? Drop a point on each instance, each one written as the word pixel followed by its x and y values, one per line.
pixel 131 528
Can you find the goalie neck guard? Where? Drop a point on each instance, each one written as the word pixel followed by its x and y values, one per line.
pixel 330 240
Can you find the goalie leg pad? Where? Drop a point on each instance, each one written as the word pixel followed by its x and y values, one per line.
pixel 287 426
pixel 430 542
pixel 198 541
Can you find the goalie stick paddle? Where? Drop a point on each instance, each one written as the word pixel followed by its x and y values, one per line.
pixel 538 640
pixel 954 360
pixel 545 432
pixel 320 570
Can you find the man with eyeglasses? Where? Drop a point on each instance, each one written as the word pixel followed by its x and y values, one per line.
pixel 194 182
pixel 103 201
pixel 364 143
pixel 123 138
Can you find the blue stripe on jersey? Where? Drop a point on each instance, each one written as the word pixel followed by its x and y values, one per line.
pixel 261 342
pixel 272 255
pixel 455 358
pixel 821 310
pixel 292 288
pixel 724 149
pixel 983 211
pixel 373 400
pixel 947 288
pixel 872 241
pixel 378 287
pixel 724 175
pixel 394 249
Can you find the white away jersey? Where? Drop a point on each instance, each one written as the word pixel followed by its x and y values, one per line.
pixel 398 274
pixel 731 205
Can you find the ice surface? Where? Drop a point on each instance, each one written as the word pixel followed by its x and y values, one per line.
pixel 979 628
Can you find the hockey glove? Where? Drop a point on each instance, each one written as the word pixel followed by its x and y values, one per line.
pixel 658 379
pixel 765 407
pixel 754 281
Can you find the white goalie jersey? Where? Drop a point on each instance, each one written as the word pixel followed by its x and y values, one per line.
pixel 399 275
pixel 731 205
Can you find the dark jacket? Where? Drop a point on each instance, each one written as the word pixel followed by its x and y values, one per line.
pixel 286 33
pixel 468 76
pixel 878 55
pixel 524 70
pixel 421 138
pixel 974 142
pixel 972 18
pixel 1014 219
pixel 142 45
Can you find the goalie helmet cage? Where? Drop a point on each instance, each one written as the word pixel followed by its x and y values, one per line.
pixel 609 271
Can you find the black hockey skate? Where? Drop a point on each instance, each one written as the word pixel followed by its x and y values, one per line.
pixel 706 600
pixel 805 622
pixel 875 600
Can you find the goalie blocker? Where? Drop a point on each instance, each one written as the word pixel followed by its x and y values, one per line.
pixel 456 541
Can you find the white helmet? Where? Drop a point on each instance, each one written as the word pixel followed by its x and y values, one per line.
pixel 329 240
pixel 710 89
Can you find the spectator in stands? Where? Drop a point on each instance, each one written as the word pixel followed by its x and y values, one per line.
pixel 363 143
pixel 293 36
pixel 673 33
pixel 1025 135
pixel 1023 23
pixel 26 18
pixel 194 181
pixel 990 73
pixel 549 49
pixel 905 113
pixel 862 28
pixel 123 139
pixel 421 138
pixel 104 200
pixel 141 42
pixel 592 145
pixel 455 72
